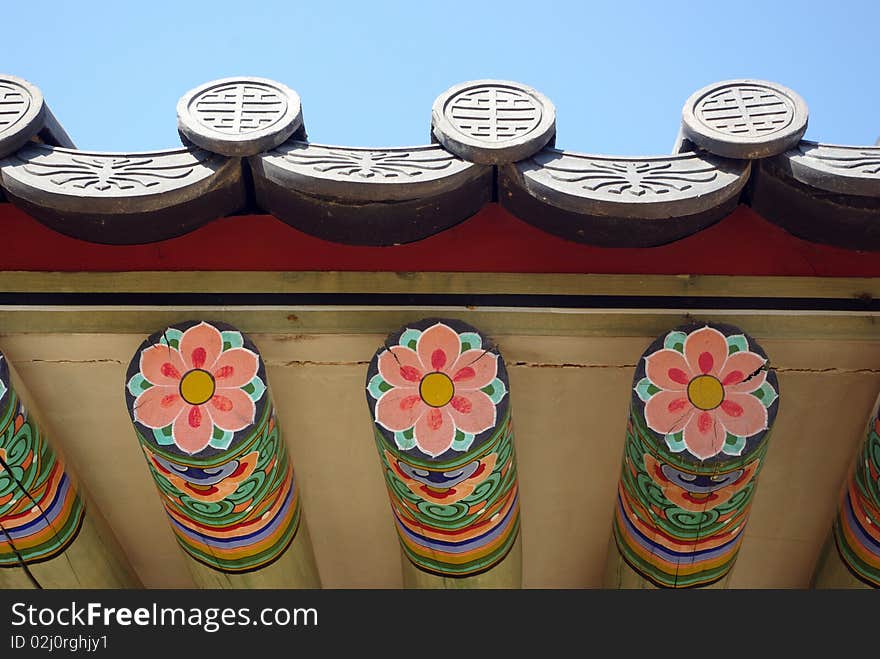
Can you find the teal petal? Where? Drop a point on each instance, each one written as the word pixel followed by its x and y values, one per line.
pixel 737 343
pixel 675 341
pixel 462 441
pixel 495 390
pixel 645 389
pixel 410 338
pixel 733 445
pixel 470 341
pixel 171 337
pixel 766 394
pixel 232 339
pixel 403 442
pixel 255 388
pixel 163 436
pixel 375 386
pixel 675 442
pixel 221 439
pixel 137 385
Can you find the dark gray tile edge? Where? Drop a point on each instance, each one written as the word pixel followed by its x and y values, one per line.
pixel 378 222
pixel 493 122
pixel 361 175
pixel 833 218
pixel 638 187
pixel 849 170
pixel 122 198
pixel 744 118
pixel 24 113
pixel 239 116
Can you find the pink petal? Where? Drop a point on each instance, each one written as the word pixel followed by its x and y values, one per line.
pixel 703 435
pixel 235 367
pixel 473 370
pixel 200 346
pixel 742 414
pixel 668 370
pixel 438 348
pixel 472 411
pixel 158 406
pixel 435 431
pixel 706 351
pixel 230 409
pixel 400 367
pixel 668 411
pixel 162 365
pixel 192 429
pixel 399 408
pixel 738 367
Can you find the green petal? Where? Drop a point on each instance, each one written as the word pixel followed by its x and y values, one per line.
pixel 403 442
pixel 733 445
pixel 462 441
pixel 171 337
pixel 675 442
pixel 737 343
pixel 675 341
pixel 137 385
pixel 495 390
pixel 232 339
pixel 163 436
pixel 375 387
pixel 645 389
pixel 221 439
pixel 766 394
pixel 470 341
pixel 410 338
pixel 255 389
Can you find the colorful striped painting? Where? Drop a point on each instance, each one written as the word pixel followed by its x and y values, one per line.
pixel 197 396
pixel 704 400
pixel 40 509
pixel 438 394
pixel 857 526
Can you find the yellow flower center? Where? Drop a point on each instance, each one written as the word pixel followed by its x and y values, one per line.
pixel 436 389
pixel 705 392
pixel 197 387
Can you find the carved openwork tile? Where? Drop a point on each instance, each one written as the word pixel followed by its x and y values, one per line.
pixel 493 121
pixel 631 202
pixel 21 113
pixel 744 118
pixel 369 196
pixel 239 116
pixel 122 198
pixel 853 170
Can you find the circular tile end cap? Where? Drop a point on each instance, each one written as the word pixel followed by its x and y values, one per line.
pixel 240 116
pixel 23 113
pixel 493 122
pixel 744 118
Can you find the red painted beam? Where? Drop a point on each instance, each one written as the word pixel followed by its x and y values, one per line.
pixel 493 240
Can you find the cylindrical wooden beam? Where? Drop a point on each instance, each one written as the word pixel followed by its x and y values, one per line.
pixel 51 535
pixel 199 401
pixel 438 395
pixel 704 400
pixel 851 556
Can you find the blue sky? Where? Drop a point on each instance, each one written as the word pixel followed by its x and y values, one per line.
pixel 368 72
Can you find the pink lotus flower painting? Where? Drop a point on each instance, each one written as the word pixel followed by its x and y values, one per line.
pixel 436 390
pixel 705 392
pixel 200 388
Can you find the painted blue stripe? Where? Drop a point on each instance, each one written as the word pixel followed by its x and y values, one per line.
pixel 679 558
pixel 466 545
pixel 45 520
pixel 241 540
